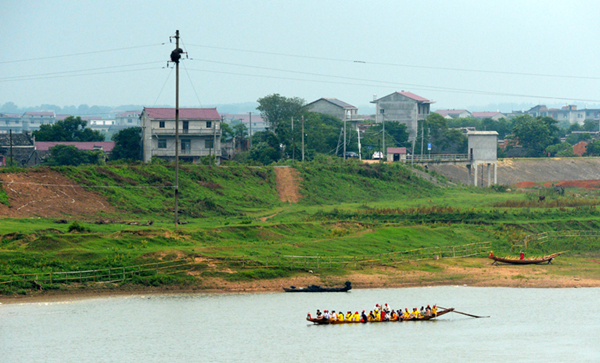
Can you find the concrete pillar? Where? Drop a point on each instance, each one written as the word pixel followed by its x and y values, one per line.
pixel 496 173
pixel 470 170
pixel 475 174
pixel 489 178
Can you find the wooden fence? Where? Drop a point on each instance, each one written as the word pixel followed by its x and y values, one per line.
pixel 114 274
pixel 121 274
pixel 541 238
pixel 389 259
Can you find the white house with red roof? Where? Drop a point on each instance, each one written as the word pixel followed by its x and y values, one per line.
pixel 404 107
pixel 199 133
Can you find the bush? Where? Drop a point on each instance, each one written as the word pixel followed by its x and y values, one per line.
pixel 75 226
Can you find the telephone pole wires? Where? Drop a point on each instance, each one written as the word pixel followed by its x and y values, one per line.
pixel 175 57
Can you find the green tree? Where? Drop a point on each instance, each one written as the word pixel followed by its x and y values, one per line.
pixel 592 149
pixel 264 153
pixel 563 149
pixel 127 144
pixel 227 132
pixel 69 155
pixel 69 129
pixel 590 125
pixel 535 134
pixel 575 138
pixel 278 111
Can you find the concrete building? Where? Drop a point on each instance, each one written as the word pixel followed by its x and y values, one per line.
pixel 9 121
pixel 43 147
pixel 128 119
pixel 22 145
pixel 452 114
pixel 404 107
pixel 333 107
pixel 31 121
pixel 396 154
pixel 199 133
pixel 483 150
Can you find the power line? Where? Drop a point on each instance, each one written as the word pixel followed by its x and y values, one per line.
pixel 163 87
pixel 398 64
pixel 83 53
pixel 421 87
pixel 78 75
pixel 35 76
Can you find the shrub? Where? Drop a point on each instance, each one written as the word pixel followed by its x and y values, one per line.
pixel 75 226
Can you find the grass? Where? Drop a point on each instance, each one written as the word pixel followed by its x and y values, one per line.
pixel 348 209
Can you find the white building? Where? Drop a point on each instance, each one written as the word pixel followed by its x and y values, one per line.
pixel 199 133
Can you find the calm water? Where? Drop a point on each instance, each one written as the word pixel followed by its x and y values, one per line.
pixel 526 325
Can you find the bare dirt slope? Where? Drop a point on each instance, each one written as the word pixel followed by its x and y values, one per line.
pixel 48 194
pixel 513 171
pixel 288 184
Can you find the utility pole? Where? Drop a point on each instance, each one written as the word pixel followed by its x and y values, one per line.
pixel 250 135
pixel 293 143
pixel 175 57
pixel 302 138
pixel 384 152
pixel 345 138
pixel 11 154
pixel 215 139
pixel 422 136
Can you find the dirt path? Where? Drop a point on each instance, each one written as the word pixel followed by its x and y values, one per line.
pixel 288 184
pixel 48 194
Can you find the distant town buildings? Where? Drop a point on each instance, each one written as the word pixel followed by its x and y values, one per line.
pixel 566 113
pixel 258 123
pixel 199 133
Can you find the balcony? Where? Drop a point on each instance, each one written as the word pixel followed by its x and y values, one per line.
pixel 190 132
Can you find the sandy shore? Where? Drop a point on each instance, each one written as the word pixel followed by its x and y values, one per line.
pixel 469 272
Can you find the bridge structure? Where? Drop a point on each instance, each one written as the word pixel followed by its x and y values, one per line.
pixel 482 153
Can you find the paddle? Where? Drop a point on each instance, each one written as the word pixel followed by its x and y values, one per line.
pixel 460 312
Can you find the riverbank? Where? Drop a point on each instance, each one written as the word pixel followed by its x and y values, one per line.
pixel 567 272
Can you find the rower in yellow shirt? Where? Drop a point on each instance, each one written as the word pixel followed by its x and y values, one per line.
pixel 348 316
pixel 434 310
pixel 341 317
pixel 356 316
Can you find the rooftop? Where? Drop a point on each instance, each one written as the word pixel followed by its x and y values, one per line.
pixel 409 95
pixel 336 102
pixel 184 113
pixel 107 146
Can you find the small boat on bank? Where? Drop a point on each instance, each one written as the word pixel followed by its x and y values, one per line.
pixel 525 261
pixel 424 318
pixel 317 288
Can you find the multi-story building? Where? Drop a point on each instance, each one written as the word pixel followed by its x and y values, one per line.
pixel 566 113
pixel 494 115
pixel 199 133
pixel 128 119
pixel 405 107
pixel 9 121
pixel 31 121
pixel 333 107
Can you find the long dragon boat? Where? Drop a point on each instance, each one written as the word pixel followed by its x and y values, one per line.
pixel 526 261
pixel 329 321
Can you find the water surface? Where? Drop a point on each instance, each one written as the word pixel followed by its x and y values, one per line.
pixel 526 325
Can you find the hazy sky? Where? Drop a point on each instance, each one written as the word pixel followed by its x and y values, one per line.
pixel 350 49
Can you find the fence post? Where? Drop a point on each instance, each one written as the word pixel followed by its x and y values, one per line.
pixel 453 253
pixel 109 278
pixel 123 274
pixel 267 261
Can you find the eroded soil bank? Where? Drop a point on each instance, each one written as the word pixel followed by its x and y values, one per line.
pixel 572 273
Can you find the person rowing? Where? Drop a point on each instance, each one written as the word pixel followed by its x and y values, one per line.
pixel 325 315
pixel 334 315
pixel 363 317
pixel 356 316
pixel 406 314
pixel 341 316
pixel 319 315
pixel 434 311
pixel 422 311
pixel 349 315
pixel 372 316
pixel 428 311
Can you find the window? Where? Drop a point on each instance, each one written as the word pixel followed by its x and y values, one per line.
pixel 130 121
pixel 162 143
pixel 208 143
pixel 209 124
pixel 161 124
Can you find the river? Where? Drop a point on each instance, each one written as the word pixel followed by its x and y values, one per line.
pixel 525 325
